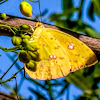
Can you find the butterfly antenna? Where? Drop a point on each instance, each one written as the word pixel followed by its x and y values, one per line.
pixel 35 16
pixel 40 11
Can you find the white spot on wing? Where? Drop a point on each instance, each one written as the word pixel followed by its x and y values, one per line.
pixel 52 57
pixel 71 46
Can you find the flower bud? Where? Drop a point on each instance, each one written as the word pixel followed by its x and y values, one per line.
pixel 23 36
pixel 29 48
pixel 2 16
pixel 36 53
pixel 33 56
pixel 25 42
pixel 31 65
pixel 27 37
pixel 16 40
pixel 26 9
pixel 24 56
pixel 24 27
pixel 34 45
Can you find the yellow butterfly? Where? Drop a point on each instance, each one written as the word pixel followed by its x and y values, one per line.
pixel 59 54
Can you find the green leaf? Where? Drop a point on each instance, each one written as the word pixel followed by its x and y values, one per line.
pixel 80 9
pixel 67 4
pixel 97 91
pixel 37 93
pixel 90 11
pixel 96 5
pixel 13 92
pixel 92 33
pixel 96 73
pixel 88 97
pixel 88 71
pixel 68 8
pixel 37 83
pixel 50 89
pixel 77 78
pixel 62 21
pixel 63 89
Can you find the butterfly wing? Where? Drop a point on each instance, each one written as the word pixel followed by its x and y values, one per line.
pixel 59 53
pixel 79 54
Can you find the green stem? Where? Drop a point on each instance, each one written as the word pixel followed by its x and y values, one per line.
pixel 20 84
pixel 14 28
pixel 3 1
pixel 8 69
pixel 13 76
pixel 68 92
pixel 50 89
pixel 34 1
pixel 12 49
pixel 16 89
pixel 2 25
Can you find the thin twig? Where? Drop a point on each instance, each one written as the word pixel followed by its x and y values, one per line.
pixel 34 0
pixel 2 25
pixel 68 92
pixel 3 1
pixel 8 69
pixel 13 76
pixel 12 49
pixel 93 43
pixel 4 96
pixel 20 84
pixel 16 88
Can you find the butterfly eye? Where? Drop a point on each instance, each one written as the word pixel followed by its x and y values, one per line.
pixel 71 45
